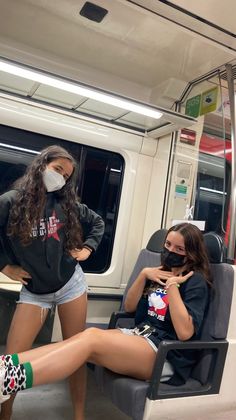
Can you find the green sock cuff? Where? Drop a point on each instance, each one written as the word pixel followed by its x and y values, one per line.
pixel 29 374
pixel 15 359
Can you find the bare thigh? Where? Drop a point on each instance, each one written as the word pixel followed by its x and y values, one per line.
pixel 72 316
pixel 128 355
pixel 26 323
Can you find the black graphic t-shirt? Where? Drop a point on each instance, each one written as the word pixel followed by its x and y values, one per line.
pixel 158 303
pixel 153 309
pixel 45 258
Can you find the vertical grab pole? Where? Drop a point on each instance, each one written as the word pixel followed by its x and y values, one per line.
pixel 232 207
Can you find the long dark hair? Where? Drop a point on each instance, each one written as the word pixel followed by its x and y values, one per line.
pixel 196 253
pixel 29 205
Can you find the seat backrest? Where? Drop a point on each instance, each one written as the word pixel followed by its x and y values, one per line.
pixel 148 257
pixel 216 248
pixel 156 242
pixel 216 322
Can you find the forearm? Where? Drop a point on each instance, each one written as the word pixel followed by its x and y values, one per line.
pixel 135 292
pixel 92 225
pixel 182 321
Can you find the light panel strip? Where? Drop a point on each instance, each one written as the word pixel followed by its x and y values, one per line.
pixel 36 76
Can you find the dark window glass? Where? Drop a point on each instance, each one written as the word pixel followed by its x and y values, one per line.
pixel 212 193
pixel 99 180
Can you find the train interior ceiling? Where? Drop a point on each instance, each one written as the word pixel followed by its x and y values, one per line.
pixel 155 52
pixel 145 50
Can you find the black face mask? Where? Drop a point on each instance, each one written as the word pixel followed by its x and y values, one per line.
pixel 171 259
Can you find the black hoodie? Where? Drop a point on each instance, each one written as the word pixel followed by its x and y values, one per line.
pixel 45 258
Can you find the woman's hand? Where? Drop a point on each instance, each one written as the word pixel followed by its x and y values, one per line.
pixel 156 274
pixel 177 279
pixel 17 273
pixel 80 254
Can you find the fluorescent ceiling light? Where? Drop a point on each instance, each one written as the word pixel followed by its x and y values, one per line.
pixel 8 146
pixel 213 191
pixel 36 76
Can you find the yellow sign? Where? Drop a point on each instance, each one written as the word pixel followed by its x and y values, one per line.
pixel 209 101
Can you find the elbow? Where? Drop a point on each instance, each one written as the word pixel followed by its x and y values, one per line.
pixel 185 335
pixel 128 307
pixel 186 330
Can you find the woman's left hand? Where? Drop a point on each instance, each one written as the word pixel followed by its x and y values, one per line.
pixel 177 279
pixel 80 254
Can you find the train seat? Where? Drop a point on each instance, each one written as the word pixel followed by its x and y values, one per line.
pixel 148 257
pixel 131 395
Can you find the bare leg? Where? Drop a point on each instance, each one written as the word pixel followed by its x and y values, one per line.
pixel 130 355
pixel 73 316
pixel 21 338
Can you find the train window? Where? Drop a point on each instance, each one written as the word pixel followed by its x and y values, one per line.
pixel 99 180
pixel 213 183
pixel 209 198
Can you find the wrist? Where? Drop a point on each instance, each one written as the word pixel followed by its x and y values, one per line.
pixel 4 269
pixel 172 284
pixel 142 277
pixel 88 248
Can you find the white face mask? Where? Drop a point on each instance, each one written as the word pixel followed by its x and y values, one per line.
pixel 53 181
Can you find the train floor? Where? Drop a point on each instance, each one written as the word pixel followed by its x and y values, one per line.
pixel 52 402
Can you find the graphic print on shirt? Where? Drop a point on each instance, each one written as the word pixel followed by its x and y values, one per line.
pixel 48 228
pixel 158 303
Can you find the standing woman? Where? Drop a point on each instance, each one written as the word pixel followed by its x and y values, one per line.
pixel 45 232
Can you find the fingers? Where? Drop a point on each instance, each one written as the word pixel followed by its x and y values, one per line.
pixel 22 281
pixel 17 273
pixel 182 279
pixel 25 274
pixel 186 277
pixel 22 276
pixel 80 254
pixel 160 282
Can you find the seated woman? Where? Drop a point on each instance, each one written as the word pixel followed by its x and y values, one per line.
pixel 170 301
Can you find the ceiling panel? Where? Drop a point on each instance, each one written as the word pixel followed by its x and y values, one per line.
pixel 58 97
pixel 139 121
pixel 213 11
pixel 15 84
pixel 104 110
pixel 127 53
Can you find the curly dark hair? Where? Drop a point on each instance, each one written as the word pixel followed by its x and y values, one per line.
pixel 196 252
pixel 28 208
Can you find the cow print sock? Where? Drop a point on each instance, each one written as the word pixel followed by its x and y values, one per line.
pixel 17 378
pixel 10 360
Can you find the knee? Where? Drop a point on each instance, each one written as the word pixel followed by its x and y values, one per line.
pixel 92 332
pixel 93 335
pixel 94 338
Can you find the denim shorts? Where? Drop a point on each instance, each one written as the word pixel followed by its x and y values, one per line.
pixel 131 331
pixel 73 289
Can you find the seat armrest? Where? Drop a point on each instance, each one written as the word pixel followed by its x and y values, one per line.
pixel 219 351
pixel 115 316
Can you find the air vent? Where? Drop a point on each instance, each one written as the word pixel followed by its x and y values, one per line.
pixel 93 12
